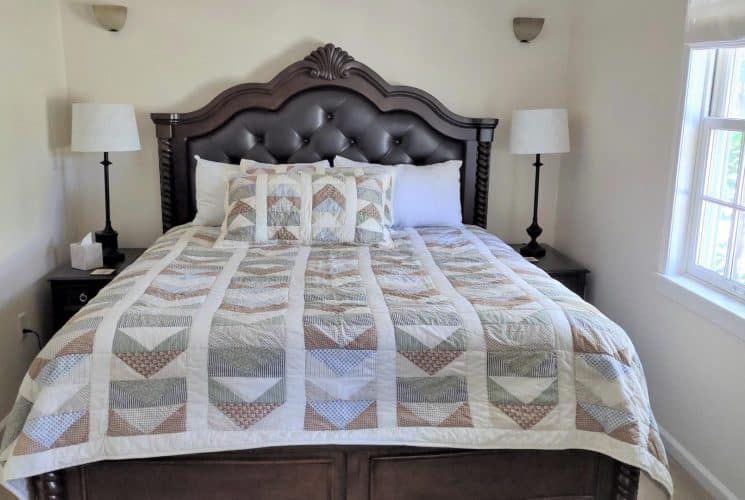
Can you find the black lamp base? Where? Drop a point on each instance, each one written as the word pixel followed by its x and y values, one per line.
pixel 109 245
pixel 107 237
pixel 533 249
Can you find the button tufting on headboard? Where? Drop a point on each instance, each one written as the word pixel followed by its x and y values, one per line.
pixel 315 109
pixel 301 132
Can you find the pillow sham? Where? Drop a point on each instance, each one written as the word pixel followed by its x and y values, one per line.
pixel 368 169
pixel 211 181
pixel 426 195
pixel 306 207
pixel 250 166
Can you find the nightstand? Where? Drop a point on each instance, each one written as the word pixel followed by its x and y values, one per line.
pixel 73 288
pixel 562 268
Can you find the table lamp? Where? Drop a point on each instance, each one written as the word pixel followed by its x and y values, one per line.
pixel 538 131
pixel 103 128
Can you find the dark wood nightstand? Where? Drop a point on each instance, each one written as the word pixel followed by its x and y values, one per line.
pixel 562 268
pixel 73 288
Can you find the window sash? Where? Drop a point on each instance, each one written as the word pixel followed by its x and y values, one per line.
pixel 719 84
pixel 708 125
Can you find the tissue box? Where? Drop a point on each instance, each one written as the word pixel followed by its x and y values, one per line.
pixel 86 257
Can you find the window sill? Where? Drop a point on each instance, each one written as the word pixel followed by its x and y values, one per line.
pixel 719 308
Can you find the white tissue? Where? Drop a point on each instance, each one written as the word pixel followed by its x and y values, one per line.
pixel 87 239
pixel 87 254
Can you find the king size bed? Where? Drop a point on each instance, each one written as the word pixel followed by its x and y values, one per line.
pixel 441 366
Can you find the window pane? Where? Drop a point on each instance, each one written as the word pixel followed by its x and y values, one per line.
pixel 713 239
pixel 735 98
pixel 722 164
pixel 738 255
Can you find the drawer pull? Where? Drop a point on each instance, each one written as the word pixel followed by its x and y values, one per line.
pixel 83 298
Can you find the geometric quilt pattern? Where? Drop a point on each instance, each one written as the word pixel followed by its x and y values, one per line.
pixel 444 336
pixel 264 206
pixel 431 342
pixel 340 342
pixel 367 170
pixel 350 208
pixel 247 365
pixel 609 382
pixel 522 384
pixel 371 224
pixel 329 207
pixel 148 390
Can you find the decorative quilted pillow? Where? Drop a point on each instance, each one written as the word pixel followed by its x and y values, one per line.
pixel 321 207
pixel 262 207
pixel 321 167
pixel 368 170
pixel 351 208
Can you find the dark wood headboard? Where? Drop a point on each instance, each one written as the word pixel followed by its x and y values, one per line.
pixel 324 105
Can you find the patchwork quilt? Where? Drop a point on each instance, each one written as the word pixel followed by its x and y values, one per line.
pixel 447 338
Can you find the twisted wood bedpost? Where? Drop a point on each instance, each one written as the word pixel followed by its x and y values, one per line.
pixel 627 482
pixel 481 205
pixel 50 486
pixel 165 165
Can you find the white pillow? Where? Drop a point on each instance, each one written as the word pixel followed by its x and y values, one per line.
pixel 212 183
pixel 246 163
pixel 427 195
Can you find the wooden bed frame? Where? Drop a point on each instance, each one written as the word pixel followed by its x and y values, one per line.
pixel 303 114
pixel 352 473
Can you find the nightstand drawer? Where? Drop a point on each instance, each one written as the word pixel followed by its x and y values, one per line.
pixel 78 295
pixel 72 288
pixel 69 298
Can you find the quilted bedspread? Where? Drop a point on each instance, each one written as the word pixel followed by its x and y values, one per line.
pixel 448 338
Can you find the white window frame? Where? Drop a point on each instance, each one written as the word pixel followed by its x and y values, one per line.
pixel 678 279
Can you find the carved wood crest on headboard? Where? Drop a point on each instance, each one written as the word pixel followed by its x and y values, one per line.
pixel 327 67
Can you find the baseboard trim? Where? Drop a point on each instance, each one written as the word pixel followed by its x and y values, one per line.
pixel 696 469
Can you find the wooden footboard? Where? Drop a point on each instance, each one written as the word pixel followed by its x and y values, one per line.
pixel 349 472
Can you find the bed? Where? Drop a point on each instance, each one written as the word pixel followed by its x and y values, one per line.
pixel 445 366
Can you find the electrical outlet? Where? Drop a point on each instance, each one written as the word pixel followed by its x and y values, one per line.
pixel 21 322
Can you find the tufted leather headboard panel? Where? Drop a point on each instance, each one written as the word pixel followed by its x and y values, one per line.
pixel 321 123
pixel 324 105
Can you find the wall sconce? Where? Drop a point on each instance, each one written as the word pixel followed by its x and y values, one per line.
pixel 527 28
pixel 111 17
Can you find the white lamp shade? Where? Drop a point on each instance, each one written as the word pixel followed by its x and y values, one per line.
pixel 103 128
pixel 539 131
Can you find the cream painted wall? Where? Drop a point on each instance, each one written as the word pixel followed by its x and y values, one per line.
pixel 33 128
pixel 176 56
pixel 625 102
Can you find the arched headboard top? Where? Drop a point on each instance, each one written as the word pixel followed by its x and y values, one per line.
pixel 324 105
